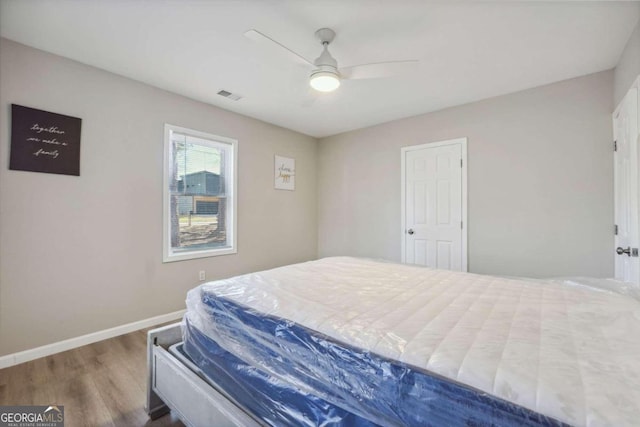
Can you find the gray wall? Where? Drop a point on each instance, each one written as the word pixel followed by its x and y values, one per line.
pixel 628 68
pixel 540 174
pixel 82 254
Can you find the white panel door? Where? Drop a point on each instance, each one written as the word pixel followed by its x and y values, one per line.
pixel 627 266
pixel 433 206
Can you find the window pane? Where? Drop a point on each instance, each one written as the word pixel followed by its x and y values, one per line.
pixel 198 194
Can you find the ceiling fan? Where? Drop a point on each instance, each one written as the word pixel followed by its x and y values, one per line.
pixel 325 75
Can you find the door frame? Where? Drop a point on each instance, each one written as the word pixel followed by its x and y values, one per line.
pixel 403 172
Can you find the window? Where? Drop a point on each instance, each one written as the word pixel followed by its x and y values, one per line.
pixel 199 194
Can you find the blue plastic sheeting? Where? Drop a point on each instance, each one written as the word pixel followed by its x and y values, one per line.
pixel 271 400
pixel 290 375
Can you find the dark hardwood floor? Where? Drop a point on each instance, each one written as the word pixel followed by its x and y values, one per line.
pixel 101 384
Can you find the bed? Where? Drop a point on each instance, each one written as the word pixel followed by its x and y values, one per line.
pixel 358 342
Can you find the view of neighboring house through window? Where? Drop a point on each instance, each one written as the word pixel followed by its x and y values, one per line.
pixel 199 208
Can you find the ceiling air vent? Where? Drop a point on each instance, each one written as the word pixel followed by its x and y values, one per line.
pixel 229 95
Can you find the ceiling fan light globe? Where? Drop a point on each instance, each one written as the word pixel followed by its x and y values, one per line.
pixel 324 81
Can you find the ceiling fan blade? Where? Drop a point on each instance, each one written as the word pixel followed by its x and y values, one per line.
pixel 379 69
pixel 259 37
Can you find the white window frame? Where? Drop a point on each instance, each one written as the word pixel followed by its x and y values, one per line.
pixel 232 184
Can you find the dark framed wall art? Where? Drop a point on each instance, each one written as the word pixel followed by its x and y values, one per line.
pixel 42 141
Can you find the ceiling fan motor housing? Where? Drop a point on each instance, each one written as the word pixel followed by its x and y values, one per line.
pixel 326 62
pixel 325 59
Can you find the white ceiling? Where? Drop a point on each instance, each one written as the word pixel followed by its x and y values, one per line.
pixel 468 50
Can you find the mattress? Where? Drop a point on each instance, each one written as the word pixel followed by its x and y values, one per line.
pixel 267 398
pixel 383 340
pixel 306 379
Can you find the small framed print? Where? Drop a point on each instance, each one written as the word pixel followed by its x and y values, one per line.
pixel 285 173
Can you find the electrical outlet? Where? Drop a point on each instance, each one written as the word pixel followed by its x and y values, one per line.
pixel 202 275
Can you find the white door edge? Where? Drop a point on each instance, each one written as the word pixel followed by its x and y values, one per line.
pixel 634 86
pixel 403 152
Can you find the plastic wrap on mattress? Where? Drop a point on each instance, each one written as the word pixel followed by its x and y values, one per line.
pixel 605 285
pixel 407 345
pixel 268 398
pixel 293 377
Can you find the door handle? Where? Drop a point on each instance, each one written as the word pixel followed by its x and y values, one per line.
pixel 621 251
pixel 410 231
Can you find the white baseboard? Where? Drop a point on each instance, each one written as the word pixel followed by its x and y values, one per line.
pixel 57 347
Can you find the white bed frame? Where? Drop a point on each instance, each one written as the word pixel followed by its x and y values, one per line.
pixel 173 386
